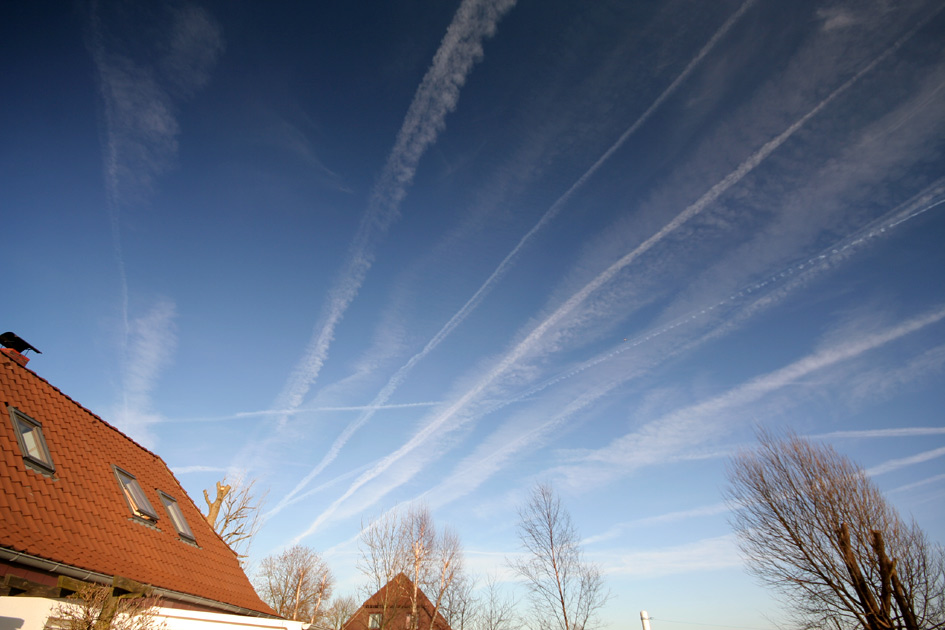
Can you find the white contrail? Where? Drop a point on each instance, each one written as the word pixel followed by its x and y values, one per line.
pixel 654 441
pixel 290 412
pixel 139 139
pixel 919 484
pixel 401 374
pixel 903 432
pixel 527 345
pixel 921 204
pixel 437 95
pixel 668 517
pixel 896 464
pixel 473 471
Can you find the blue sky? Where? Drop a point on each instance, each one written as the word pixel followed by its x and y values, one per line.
pixel 370 253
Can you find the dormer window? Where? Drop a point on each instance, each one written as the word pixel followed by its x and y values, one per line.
pixel 29 434
pixel 177 517
pixel 139 504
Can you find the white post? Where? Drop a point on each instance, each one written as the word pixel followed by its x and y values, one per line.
pixel 645 618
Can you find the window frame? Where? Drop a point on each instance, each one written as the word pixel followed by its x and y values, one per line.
pixel 139 505
pixel 176 516
pixel 375 620
pixel 41 460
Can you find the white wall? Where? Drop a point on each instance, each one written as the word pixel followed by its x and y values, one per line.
pixel 30 613
pixel 24 613
pixel 176 619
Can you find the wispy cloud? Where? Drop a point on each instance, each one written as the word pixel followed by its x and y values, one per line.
pixel 140 141
pixel 660 440
pixel 918 484
pixel 265 413
pixel 543 336
pixel 661 519
pixel 152 341
pixel 402 373
pixel 709 554
pixel 437 96
pixel 903 432
pixel 778 284
pixel 510 440
pixel 191 50
pixel 140 98
pixel 902 462
pixel 187 470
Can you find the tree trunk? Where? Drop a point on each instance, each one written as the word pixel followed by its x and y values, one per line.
pixel 213 507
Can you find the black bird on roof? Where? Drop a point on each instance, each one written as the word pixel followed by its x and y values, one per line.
pixel 10 340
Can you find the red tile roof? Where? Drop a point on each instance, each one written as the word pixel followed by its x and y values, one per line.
pixel 393 601
pixel 79 516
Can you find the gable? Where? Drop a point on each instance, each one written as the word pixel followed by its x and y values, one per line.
pixel 393 600
pixel 78 513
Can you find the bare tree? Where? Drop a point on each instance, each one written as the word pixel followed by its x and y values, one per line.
pixel 460 607
pixel 234 513
pixel 95 607
pixel 340 611
pixel 407 542
pixel 295 583
pixel 812 525
pixel 496 611
pixel 564 589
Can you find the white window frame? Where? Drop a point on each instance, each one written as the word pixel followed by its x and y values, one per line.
pixel 374 620
pixel 134 495
pixel 29 435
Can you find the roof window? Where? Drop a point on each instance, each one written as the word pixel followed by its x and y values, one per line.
pixel 29 434
pixel 138 503
pixel 177 517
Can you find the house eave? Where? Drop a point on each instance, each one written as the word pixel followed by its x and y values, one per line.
pixel 87 575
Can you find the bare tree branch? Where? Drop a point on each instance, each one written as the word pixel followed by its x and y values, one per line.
pixel 235 513
pixel 407 542
pixel 295 583
pixel 340 611
pixel 565 591
pixel 812 525
pixel 95 607
pixel 497 611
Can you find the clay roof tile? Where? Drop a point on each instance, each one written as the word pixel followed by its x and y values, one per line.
pixel 78 515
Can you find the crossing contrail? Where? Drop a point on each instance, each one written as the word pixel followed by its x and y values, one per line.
pixel 401 374
pixel 532 340
pixel 437 95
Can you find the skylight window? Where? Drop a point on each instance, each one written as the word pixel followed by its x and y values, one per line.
pixel 29 434
pixel 139 503
pixel 177 517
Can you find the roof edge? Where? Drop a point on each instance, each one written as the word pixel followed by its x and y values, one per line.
pixel 84 574
pixel 10 362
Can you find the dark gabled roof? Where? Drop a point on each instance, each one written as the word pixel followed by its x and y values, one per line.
pixel 78 515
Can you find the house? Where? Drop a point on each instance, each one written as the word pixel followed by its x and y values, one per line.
pixel 82 502
pixel 390 609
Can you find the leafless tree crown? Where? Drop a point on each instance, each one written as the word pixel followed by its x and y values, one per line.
pixel 340 611
pixel 812 525
pixel 94 607
pixel 296 583
pixel 234 513
pixel 565 590
pixel 407 541
pixel 496 610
